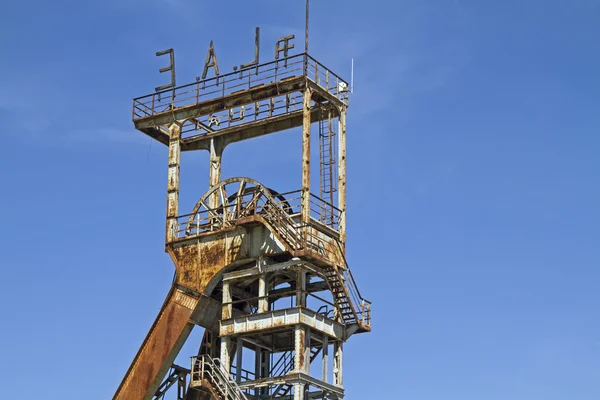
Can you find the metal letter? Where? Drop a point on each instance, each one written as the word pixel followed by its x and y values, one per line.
pixel 171 68
pixel 232 116
pixel 286 46
pixel 211 61
pixel 256 51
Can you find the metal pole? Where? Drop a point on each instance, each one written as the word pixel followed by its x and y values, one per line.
pixel 306 30
pixel 173 181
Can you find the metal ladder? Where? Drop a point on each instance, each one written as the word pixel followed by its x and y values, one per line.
pixel 327 158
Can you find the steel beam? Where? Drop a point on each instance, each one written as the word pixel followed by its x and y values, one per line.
pixel 173 181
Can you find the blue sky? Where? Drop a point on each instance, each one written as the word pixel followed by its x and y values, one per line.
pixel 473 189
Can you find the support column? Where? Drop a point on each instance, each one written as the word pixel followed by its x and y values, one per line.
pixel 337 363
pixel 301 355
pixel 325 358
pixel 301 288
pixel 214 177
pixel 257 370
pixel 265 367
pixel 226 355
pixel 173 181
pixel 227 311
pixel 299 389
pixel 301 362
pixel 342 173
pixel 306 156
pixel 239 350
pixel 263 301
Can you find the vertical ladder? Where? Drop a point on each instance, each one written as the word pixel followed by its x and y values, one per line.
pixel 328 171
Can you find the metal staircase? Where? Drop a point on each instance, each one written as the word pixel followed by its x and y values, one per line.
pixel 281 221
pixel 352 307
pixel 177 375
pixel 283 368
pixel 208 374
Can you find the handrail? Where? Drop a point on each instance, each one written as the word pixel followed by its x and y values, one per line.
pixel 208 369
pixel 234 73
pixel 296 235
pixel 284 364
pixel 362 305
pixel 244 79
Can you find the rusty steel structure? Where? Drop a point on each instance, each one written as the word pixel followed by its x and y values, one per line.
pixel 264 273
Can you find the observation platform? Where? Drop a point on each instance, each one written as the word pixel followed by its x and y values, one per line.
pixel 243 104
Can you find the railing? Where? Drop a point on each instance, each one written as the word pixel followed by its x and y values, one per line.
pixel 248 204
pixel 204 368
pixel 325 308
pixel 281 214
pixel 244 374
pixel 293 200
pixel 361 306
pixel 245 79
pixel 206 220
pixel 284 364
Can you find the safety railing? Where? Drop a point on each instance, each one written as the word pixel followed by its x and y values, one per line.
pixel 237 81
pixel 361 306
pixel 204 368
pixel 243 375
pixel 275 300
pixel 293 200
pixel 281 215
pixel 251 203
pixel 283 365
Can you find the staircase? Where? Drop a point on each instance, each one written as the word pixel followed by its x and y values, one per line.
pixel 279 220
pixel 277 370
pixel 340 296
pixel 352 308
pixel 177 375
pixel 208 374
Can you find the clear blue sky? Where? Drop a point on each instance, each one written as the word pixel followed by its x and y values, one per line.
pixel 473 187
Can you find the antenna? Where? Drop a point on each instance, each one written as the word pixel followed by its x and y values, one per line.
pixel 306 30
pixel 352 77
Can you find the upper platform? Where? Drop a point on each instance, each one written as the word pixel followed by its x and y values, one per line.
pixel 243 104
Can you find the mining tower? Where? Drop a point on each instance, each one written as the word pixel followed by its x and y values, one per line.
pixel 263 272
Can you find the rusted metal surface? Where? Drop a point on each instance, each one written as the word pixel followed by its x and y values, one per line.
pixel 158 351
pixel 306 157
pixel 211 61
pixel 173 180
pixel 300 345
pixel 286 318
pixel 245 131
pixel 342 174
pixel 268 245
pixel 226 92
pixel 216 148
pixel 170 68
pixel 199 261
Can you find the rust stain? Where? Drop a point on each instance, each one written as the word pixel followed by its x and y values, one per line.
pixel 227 330
pixel 301 339
pixel 186 261
pixel 162 338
